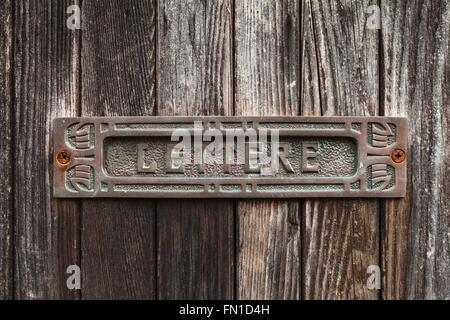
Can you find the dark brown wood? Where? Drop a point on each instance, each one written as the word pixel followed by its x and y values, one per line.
pixel 6 212
pixel 415 73
pixel 187 63
pixel 118 78
pixel 195 249
pixel 195 78
pixel 267 83
pixel 118 249
pixel 67 245
pixel 340 77
pixel 45 87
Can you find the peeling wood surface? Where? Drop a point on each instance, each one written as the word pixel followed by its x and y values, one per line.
pixel 242 57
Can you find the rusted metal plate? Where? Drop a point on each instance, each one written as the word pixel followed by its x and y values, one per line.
pixel 241 157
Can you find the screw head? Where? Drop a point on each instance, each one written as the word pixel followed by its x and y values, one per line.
pixel 398 156
pixel 63 158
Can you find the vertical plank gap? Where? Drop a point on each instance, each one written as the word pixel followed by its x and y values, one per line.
pixel 300 248
pixel 233 102
pixel 233 55
pixel 381 93
pixel 156 80
pixel 381 202
pixel 79 113
pixel 301 202
pixel 156 113
pixel 236 247
pixel 12 129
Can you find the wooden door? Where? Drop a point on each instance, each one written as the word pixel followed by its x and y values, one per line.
pixel 223 57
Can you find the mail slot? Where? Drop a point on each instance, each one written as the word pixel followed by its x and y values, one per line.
pixel 248 157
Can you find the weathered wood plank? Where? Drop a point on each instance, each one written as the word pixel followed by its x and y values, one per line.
pixel 194 65
pixel 6 213
pixel 268 250
pixel 266 74
pixel 118 249
pixel 195 249
pixel 195 238
pixel 118 79
pixel 341 241
pixel 45 87
pixel 415 233
pixel 340 63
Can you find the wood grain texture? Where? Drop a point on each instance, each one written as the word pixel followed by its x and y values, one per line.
pixel 268 250
pixel 195 237
pixel 45 87
pixel 195 249
pixel 118 79
pixel 415 238
pixel 194 62
pixel 163 57
pixel 266 74
pixel 340 77
pixel 118 249
pixel 119 58
pixel 340 242
pixel 6 212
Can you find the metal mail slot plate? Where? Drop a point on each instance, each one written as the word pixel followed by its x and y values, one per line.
pixel 229 157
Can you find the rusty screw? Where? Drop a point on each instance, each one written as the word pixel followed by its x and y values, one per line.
pixel 398 156
pixel 63 158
